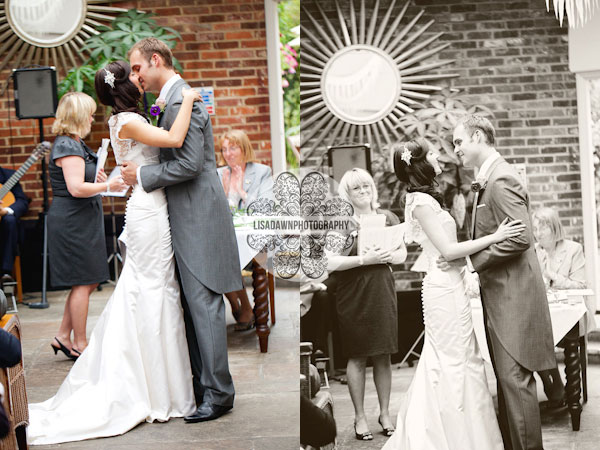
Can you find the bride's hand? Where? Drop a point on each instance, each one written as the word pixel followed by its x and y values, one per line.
pixel 195 95
pixel 508 229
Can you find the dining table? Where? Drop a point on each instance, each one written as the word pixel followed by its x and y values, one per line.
pixel 568 315
pixel 263 284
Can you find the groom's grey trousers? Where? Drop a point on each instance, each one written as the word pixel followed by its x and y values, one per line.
pixel 203 242
pixel 521 429
pixel 206 334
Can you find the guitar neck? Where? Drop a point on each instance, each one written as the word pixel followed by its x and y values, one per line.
pixel 14 179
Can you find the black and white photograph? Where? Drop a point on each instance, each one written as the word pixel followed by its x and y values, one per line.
pixel 470 132
pixel 134 137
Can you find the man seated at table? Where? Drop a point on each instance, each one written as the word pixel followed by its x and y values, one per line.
pixel 10 212
pixel 563 267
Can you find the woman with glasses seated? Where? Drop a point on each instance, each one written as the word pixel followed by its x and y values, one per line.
pixel 366 305
pixel 563 267
pixel 244 180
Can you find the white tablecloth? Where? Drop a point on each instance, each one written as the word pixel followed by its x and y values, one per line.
pixel 246 252
pixel 564 316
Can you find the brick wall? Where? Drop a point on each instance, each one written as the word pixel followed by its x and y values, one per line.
pixel 512 57
pixel 223 45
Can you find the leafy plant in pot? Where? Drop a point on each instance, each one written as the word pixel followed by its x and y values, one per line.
pixel 112 44
pixel 433 122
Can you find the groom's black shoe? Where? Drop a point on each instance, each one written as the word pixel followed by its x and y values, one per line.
pixel 207 411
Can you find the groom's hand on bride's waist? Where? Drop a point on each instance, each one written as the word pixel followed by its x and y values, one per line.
pixel 129 172
pixel 445 265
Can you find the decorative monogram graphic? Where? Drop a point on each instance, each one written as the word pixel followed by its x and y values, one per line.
pixel 300 223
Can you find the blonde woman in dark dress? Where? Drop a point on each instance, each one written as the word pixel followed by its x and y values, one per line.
pixel 366 306
pixel 76 241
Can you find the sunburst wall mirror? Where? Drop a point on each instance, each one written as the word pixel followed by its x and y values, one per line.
pixel 361 73
pixel 50 32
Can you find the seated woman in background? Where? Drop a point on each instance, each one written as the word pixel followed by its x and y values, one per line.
pixel 563 267
pixel 561 260
pixel 366 306
pixel 244 181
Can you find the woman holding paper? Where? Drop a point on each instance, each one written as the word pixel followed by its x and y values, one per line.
pixel 76 241
pixel 366 305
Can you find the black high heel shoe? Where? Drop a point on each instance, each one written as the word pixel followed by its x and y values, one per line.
pixel 62 348
pixel 245 326
pixel 366 436
pixel 73 357
pixel 386 431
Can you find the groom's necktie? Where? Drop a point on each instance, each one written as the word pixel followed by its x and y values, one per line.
pixel 473 213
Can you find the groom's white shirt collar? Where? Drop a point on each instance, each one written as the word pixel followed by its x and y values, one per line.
pixel 168 85
pixel 485 167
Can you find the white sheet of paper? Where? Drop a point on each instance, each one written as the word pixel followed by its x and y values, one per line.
pixel 574 292
pixel 372 221
pixel 115 173
pixel 102 155
pixel 386 238
pixel 421 264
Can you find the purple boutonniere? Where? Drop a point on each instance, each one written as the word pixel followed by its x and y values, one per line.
pixel 156 110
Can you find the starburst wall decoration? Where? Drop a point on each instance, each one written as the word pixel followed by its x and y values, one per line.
pixel 359 78
pixel 50 32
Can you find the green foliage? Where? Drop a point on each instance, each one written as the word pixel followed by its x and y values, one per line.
pixel 112 44
pixel 434 122
pixel 289 18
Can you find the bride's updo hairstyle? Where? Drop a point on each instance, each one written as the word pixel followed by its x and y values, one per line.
pixel 411 166
pixel 119 92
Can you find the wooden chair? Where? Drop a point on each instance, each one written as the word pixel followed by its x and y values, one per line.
pixel 15 394
pixel 272 297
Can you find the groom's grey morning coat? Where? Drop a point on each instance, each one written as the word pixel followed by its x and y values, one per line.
pixel 512 288
pixel 201 224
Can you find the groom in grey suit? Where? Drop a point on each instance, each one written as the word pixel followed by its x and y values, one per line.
pixel 516 313
pixel 201 228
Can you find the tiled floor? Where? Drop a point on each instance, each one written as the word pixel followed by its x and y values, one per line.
pixel 266 412
pixel 556 428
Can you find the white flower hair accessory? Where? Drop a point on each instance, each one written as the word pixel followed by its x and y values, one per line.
pixel 109 78
pixel 406 156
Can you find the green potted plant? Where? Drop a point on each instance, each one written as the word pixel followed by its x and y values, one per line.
pixel 434 122
pixel 112 44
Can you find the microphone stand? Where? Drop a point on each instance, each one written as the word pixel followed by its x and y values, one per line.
pixel 44 214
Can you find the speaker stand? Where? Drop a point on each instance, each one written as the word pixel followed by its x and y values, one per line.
pixel 44 215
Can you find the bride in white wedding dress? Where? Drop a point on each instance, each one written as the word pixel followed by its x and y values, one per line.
pixel 136 367
pixel 448 405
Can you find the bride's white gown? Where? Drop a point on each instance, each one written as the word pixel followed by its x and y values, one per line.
pixel 448 405
pixel 136 367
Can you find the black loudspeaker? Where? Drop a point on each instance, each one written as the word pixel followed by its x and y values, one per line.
pixel 345 157
pixel 35 92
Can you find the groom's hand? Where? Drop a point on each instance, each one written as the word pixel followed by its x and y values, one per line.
pixel 445 265
pixel 129 173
